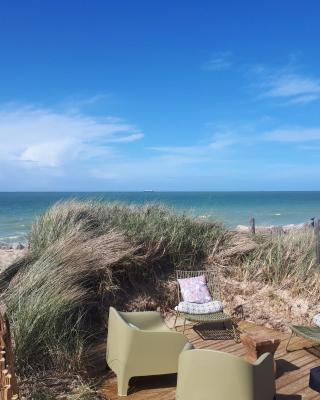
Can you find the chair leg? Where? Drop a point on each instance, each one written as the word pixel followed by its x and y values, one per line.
pixel 175 321
pixel 287 346
pixel 184 325
pixel 235 333
pixel 123 384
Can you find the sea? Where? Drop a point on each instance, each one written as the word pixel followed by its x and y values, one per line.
pixel 19 210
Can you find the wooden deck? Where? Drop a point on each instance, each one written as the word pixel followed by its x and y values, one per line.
pixel 292 368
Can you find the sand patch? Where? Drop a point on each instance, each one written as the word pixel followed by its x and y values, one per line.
pixel 8 256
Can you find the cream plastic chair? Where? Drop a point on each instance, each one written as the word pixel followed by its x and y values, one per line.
pixel 214 375
pixel 140 344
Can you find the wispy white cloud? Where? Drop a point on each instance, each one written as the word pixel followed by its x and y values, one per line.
pixel 212 151
pixel 219 62
pixel 222 141
pixel 292 85
pixel 126 139
pixel 286 84
pixel 304 99
pixel 294 134
pixel 79 103
pixel 180 150
pixel 49 138
pixel 49 154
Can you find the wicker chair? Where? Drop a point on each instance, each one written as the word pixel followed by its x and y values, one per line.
pixel 214 289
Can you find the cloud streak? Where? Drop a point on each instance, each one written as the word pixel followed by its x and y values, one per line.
pixel 286 85
pixel 219 62
pixel 47 138
pixel 222 141
pixel 294 135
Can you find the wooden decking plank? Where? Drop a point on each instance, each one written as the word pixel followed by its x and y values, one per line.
pixel 288 378
pixel 291 382
pixel 295 382
pixel 295 387
pixel 309 394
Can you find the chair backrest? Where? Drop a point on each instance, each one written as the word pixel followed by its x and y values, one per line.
pixel 212 278
pixel 210 374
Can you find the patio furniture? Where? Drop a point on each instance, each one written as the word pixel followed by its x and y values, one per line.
pixel 314 381
pixel 210 374
pixel 257 343
pixel 140 344
pixel 214 289
pixel 311 333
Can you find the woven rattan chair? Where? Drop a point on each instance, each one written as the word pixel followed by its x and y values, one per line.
pixel 214 289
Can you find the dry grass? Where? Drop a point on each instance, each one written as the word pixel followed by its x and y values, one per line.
pixel 49 386
pixel 285 260
pixel 274 277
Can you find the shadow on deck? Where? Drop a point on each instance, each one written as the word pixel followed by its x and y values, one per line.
pixel 292 377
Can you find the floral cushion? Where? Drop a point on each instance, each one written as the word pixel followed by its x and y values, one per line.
pixel 195 290
pixel 204 308
pixel 316 320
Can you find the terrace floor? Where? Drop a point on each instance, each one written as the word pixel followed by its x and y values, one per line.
pixel 292 368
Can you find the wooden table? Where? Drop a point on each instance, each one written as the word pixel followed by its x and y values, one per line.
pixel 257 343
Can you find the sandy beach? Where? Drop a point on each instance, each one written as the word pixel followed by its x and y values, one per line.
pixel 7 256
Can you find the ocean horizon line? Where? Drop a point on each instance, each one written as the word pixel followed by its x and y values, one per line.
pixel 159 191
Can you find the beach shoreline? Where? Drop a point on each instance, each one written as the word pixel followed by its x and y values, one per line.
pixel 270 228
pixel 18 211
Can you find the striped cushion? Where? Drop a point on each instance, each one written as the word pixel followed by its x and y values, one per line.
pixel 203 308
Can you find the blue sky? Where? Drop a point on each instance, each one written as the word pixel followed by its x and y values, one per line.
pixel 163 95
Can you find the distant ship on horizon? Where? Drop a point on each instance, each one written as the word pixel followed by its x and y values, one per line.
pixel 149 190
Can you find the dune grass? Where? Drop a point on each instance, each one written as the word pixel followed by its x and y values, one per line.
pixel 82 258
pixel 286 260
pixel 154 226
pixel 85 256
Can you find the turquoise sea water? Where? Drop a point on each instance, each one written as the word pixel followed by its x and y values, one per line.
pixel 18 210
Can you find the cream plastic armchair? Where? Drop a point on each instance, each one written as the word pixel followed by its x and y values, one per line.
pixel 140 344
pixel 210 374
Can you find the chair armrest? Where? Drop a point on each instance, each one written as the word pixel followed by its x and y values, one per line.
pixel 266 358
pixel 188 346
pixel 264 379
